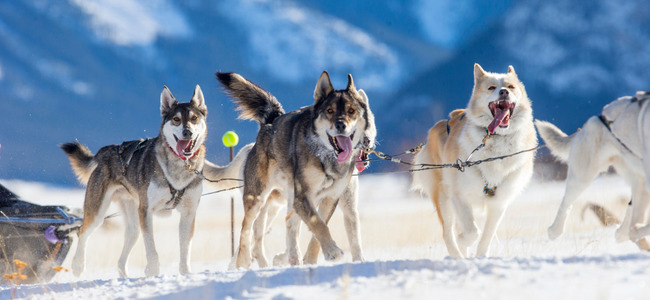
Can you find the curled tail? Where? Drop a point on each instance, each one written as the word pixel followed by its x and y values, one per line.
pixel 252 101
pixel 234 170
pixel 81 160
pixel 557 141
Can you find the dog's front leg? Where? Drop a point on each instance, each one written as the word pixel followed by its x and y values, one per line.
pixel 316 225
pixel 186 225
pixel 469 231
pixel 348 204
pixel 495 213
pixel 146 225
pixel 325 210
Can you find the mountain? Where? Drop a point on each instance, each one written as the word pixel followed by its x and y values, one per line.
pixel 93 70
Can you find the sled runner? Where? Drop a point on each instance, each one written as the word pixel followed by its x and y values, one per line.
pixel 37 235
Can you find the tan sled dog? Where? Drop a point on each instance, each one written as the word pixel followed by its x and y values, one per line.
pixel 500 109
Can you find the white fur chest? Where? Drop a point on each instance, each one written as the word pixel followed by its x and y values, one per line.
pixel 492 174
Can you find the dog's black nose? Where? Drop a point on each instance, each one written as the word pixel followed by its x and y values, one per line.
pixel 340 126
pixel 503 93
pixel 187 134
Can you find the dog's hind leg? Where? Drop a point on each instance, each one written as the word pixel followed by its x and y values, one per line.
pixel 96 203
pixel 253 203
pixel 325 211
pixel 146 226
pixel 447 214
pixel 262 223
pixel 131 233
pixel 584 165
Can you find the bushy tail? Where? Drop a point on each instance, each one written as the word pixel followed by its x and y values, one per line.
pixel 218 176
pixel 253 102
pixel 422 180
pixel 555 139
pixel 81 160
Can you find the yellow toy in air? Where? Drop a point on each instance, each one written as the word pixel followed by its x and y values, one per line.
pixel 230 139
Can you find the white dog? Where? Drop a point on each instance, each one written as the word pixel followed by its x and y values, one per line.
pixel 619 137
pixel 499 108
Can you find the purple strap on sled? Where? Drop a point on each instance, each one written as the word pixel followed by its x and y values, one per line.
pixel 50 235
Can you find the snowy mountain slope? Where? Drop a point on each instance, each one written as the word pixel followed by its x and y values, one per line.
pixel 573 59
pixel 93 70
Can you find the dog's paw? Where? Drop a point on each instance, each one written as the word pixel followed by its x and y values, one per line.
pixel 184 269
pixel 280 260
pixel 78 266
pixel 554 232
pixel 622 234
pixel 243 262
pixel 152 270
pixel 333 253
pixel 635 233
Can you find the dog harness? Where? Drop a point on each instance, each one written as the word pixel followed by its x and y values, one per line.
pixel 125 152
pixel 608 124
pixel 488 191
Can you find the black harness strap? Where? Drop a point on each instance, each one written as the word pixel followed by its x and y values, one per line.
pixel 607 124
pixel 176 196
pixel 125 152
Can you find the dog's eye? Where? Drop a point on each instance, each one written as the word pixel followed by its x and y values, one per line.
pixel 512 87
pixel 194 118
pixel 176 119
pixel 330 110
pixel 492 88
pixel 351 111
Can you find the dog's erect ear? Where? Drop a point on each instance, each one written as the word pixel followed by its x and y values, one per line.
pixel 478 72
pixel 323 87
pixel 167 101
pixel 351 87
pixel 364 97
pixel 197 98
pixel 511 70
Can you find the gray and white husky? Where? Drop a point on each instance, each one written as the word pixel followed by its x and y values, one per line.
pixel 306 156
pixel 145 177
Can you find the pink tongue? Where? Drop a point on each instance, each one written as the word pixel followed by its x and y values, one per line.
pixel 181 145
pixel 498 118
pixel 360 165
pixel 344 143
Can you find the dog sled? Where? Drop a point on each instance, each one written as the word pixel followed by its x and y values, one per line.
pixel 37 235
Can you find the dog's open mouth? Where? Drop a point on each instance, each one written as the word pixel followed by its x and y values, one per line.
pixel 342 145
pixel 184 147
pixel 501 111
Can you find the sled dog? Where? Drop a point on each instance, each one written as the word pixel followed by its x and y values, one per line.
pixel 306 156
pixel 619 137
pixel 272 205
pixel 146 177
pixel 499 110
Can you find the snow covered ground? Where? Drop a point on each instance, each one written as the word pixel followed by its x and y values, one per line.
pixel 403 247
